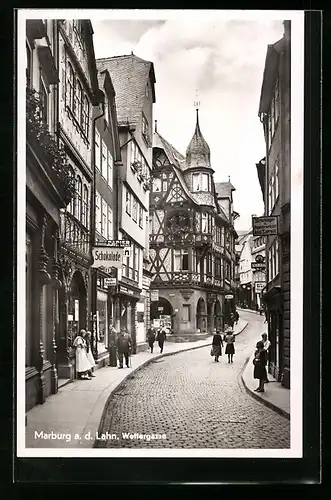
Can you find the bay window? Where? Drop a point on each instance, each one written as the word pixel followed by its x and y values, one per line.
pixel 196 182
pixel 204 222
pixel 204 182
pixel 180 260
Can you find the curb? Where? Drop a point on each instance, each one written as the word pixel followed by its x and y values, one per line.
pixel 265 402
pixel 143 365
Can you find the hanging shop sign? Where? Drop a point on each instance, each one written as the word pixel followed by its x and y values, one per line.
pixel 265 226
pixel 154 295
pixel 118 243
pixel 229 297
pixel 110 281
pixel 257 265
pixel 106 258
pixel 259 258
pixel 259 286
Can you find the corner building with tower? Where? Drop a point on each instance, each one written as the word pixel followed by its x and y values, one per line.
pixel 192 240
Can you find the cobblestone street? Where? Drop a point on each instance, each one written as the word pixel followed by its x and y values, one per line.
pixel 195 402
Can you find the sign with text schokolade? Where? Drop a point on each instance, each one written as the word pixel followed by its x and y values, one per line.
pixel 265 226
pixel 107 257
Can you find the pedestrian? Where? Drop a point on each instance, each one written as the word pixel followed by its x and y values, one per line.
pixel 161 337
pixel 112 337
pixel 82 363
pixel 232 319
pixel 236 316
pixel 123 346
pixel 266 345
pixel 229 339
pixel 89 355
pixel 217 345
pixel 259 361
pixel 151 338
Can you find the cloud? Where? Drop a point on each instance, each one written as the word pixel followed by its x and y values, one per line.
pixel 224 60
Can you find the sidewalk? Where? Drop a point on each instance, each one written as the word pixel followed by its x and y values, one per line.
pixel 77 408
pixel 275 396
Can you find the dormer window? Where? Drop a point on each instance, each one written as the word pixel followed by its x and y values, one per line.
pixel 200 182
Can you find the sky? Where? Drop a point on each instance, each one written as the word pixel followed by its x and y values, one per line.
pixel 220 61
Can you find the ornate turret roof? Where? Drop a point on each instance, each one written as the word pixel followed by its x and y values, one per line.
pixel 198 152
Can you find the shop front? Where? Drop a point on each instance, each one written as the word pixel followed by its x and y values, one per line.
pixel 274 304
pixel 126 313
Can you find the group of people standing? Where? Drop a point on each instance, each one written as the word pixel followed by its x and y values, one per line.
pixel 159 335
pixel 260 362
pixel 218 342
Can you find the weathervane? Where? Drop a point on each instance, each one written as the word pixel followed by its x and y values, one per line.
pixel 197 102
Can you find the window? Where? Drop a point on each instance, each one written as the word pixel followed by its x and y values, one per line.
pixel 145 128
pixel 110 223
pixel 78 105
pixel 217 267
pixel 85 206
pixel 104 214
pixel 164 183
pixel 128 203
pixel 204 222
pixel 110 163
pixel 273 260
pixel 134 209
pixel 97 150
pixel 44 102
pixel 78 204
pixel 222 236
pixel 70 86
pixel 180 260
pixel 86 117
pixel 186 312
pixel 28 66
pixel 98 212
pixel 157 184
pixel 204 182
pixel 104 168
pixel 196 182
pixel 141 214
pixel 133 151
pixel 136 262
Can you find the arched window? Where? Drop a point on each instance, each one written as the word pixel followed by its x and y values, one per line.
pixel 78 207
pixel 70 86
pixel 78 102
pixel 85 206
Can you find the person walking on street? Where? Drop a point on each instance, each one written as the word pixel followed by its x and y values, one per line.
pixel 259 361
pixel 123 346
pixel 217 345
pixel 161 337
pixel 151 338
pixel 231 320
pixel 82 364
pixel 236 316
pixel 229 339
pixel 89 355
pixel 112 338
pixel 266 345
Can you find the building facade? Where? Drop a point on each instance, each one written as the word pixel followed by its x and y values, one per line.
pixel 274 176
pixel 191 240
pixel 133 79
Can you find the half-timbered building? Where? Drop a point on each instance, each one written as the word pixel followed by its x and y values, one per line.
pixel 191 239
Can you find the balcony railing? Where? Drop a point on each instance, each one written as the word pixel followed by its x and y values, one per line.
pixel 74 236
pixel 52 156
pixel 191 278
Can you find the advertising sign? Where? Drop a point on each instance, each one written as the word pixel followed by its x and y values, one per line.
pixel 154 295
pixel 259 286
pixel 257 265
pixel 118 243
pixel 110 281
pixel 259 258
pixel 107 258
pixel 229 296
pixel 265 226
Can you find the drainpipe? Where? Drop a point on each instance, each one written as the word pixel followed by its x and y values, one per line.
pixel 99 99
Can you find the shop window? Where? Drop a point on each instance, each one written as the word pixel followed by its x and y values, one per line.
pixel 186 312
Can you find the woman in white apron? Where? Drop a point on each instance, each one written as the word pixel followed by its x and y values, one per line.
pixel 82 363
pixel 89 354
